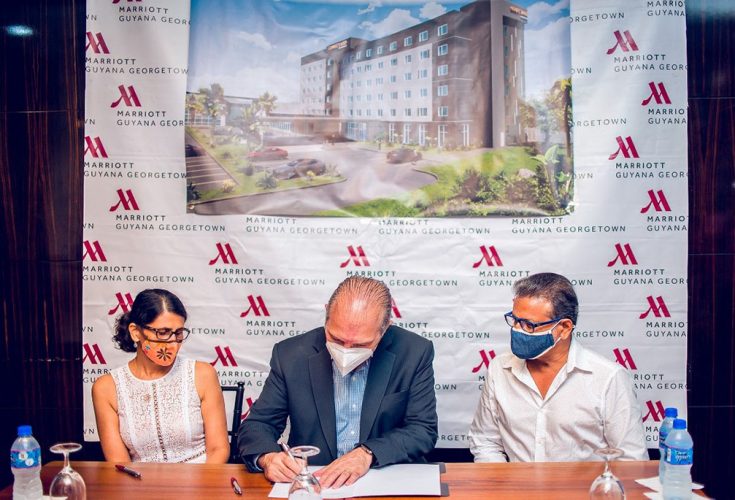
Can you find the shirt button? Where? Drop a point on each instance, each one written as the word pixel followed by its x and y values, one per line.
pixel 352 433
pixel 354 406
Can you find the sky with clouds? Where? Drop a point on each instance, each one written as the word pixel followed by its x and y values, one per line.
pixel 254 46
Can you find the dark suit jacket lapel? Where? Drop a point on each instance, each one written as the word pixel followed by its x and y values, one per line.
pixel 381 366
pixel 320 372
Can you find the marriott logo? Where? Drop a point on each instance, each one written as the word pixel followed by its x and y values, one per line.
pixel 623 41
pixel 357 257
pixel 655 411
pixel 126 199
pixel 124 303
pixel 93 355
pixel 489 256
pixel 624 358
pixel 96 42
pixel 656 306
pixel 485 358
pixel 94 147
pixel 657 200
pixel 93 250
pixel 658 94
pixel 225 253
pixel 623 254
pixel 224 356
pixel 257 307
pixel 626 147
pixel 128 96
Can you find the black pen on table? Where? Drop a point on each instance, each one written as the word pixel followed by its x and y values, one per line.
pixel 129 471
pixel 235 486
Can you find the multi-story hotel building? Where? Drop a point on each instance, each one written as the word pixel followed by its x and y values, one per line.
pixel 454 80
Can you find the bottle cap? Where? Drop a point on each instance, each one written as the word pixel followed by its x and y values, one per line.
pixel 671 412
pixel 24 430
pixel 680 423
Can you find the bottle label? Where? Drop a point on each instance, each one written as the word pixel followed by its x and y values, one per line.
pixel 25 459
pixel 679 456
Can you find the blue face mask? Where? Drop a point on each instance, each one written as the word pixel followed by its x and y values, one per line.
pixel 529 345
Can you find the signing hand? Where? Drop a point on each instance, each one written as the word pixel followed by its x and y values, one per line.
pixel 345 470
pixel 279 467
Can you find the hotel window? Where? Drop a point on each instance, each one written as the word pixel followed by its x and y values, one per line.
pixel 380 112
pixel 359 69
pixel 392 78
pixel 442 136
pixel 465 134
pixel 380 97
pixel 367 112
pixel 423 73
pixel 423 36
pixel 393 46
pixel 442 90
pixel 442 50
pixel 329 61
pixel 368 52
pixel 407 112
pixel 442 70
pixel 393 112
pixel 443 111
pixel 329 74
pixel 380 65
pixel 394 61
pixel 407 76
pixel 379 81
pixel 358 55
pixel 408 41
pixel 380 50
pixel 407 94
pixel 407 130
pixel 422 111
pixel 394 95
pixel 424 93
pixel 359 112
pixel 368 67
pixel 422 135
pixel 442 30
pixel 392 132
pixel 425 54
pixel 407 58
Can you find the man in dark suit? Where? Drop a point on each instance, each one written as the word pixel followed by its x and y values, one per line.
pixel 359 389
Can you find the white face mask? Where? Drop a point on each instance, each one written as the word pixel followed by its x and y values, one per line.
pixel 348 359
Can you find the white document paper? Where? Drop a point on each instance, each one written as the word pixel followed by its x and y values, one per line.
pixel 654 483
pixel 393 480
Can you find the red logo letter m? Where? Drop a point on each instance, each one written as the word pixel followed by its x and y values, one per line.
pixel 128 96
pixel 658 94
pixel 657 307
pixel 625 254
pixel 486 357
pixel 489 256
pixel 97 43
pixel 625 41
pixel 93 250
pixel 626 147
pixel 224 356
pixel 93 354
pixel 357 257
pixel 257 307
pixel 225 253
pixel 126 199
pixel 658 202
pixel 624 358
pixel 655 411
pixel 94 147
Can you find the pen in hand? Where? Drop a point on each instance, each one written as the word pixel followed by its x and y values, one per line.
pixel 287 450
pixel 235 486
pixel 129 471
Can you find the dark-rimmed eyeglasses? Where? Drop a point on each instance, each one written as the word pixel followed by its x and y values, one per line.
pixel 166 334
pixel 526 325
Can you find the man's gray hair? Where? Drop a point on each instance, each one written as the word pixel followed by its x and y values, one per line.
pixel 370 290
pixel 555 288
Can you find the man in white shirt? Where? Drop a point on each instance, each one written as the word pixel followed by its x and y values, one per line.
pixel 551 399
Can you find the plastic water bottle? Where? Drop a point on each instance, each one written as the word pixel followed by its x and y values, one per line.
pixel 25 462
pixel 678 476
pixel 663 432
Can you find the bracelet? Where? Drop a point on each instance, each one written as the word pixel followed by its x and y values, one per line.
pixel 369 452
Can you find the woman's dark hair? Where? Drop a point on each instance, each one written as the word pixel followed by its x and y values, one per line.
pixel 147 306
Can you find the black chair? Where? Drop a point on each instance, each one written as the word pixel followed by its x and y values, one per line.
pixel 239 391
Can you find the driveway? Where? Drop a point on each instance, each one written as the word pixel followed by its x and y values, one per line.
pixel 368 176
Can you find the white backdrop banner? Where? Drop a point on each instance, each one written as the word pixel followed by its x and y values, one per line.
pixel 249 281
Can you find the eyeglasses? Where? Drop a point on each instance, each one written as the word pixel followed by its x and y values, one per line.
pixel 165 334
pixel 527 326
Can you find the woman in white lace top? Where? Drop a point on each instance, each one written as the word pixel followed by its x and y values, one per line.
pixel 159 407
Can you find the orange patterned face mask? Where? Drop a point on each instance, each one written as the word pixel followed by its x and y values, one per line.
pixel 161 353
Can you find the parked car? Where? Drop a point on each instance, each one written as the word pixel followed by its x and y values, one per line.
pixel 192 150
pixel 402 155
pixel 268 154
pixel 299 168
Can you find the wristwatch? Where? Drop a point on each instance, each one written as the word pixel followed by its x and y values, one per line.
pixel 369 452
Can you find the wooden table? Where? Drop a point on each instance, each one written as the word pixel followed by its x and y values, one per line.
pixel 467 481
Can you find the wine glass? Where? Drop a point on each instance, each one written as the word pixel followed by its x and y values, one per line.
pixel 606 486
pixel 67 483
pixel 305 486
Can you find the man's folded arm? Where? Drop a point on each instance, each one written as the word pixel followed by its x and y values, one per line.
pixel 260 431
pixel 418 435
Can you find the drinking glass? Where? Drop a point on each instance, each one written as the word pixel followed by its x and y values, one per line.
pixel 67 483
pixel 305 486
pixel 606 486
